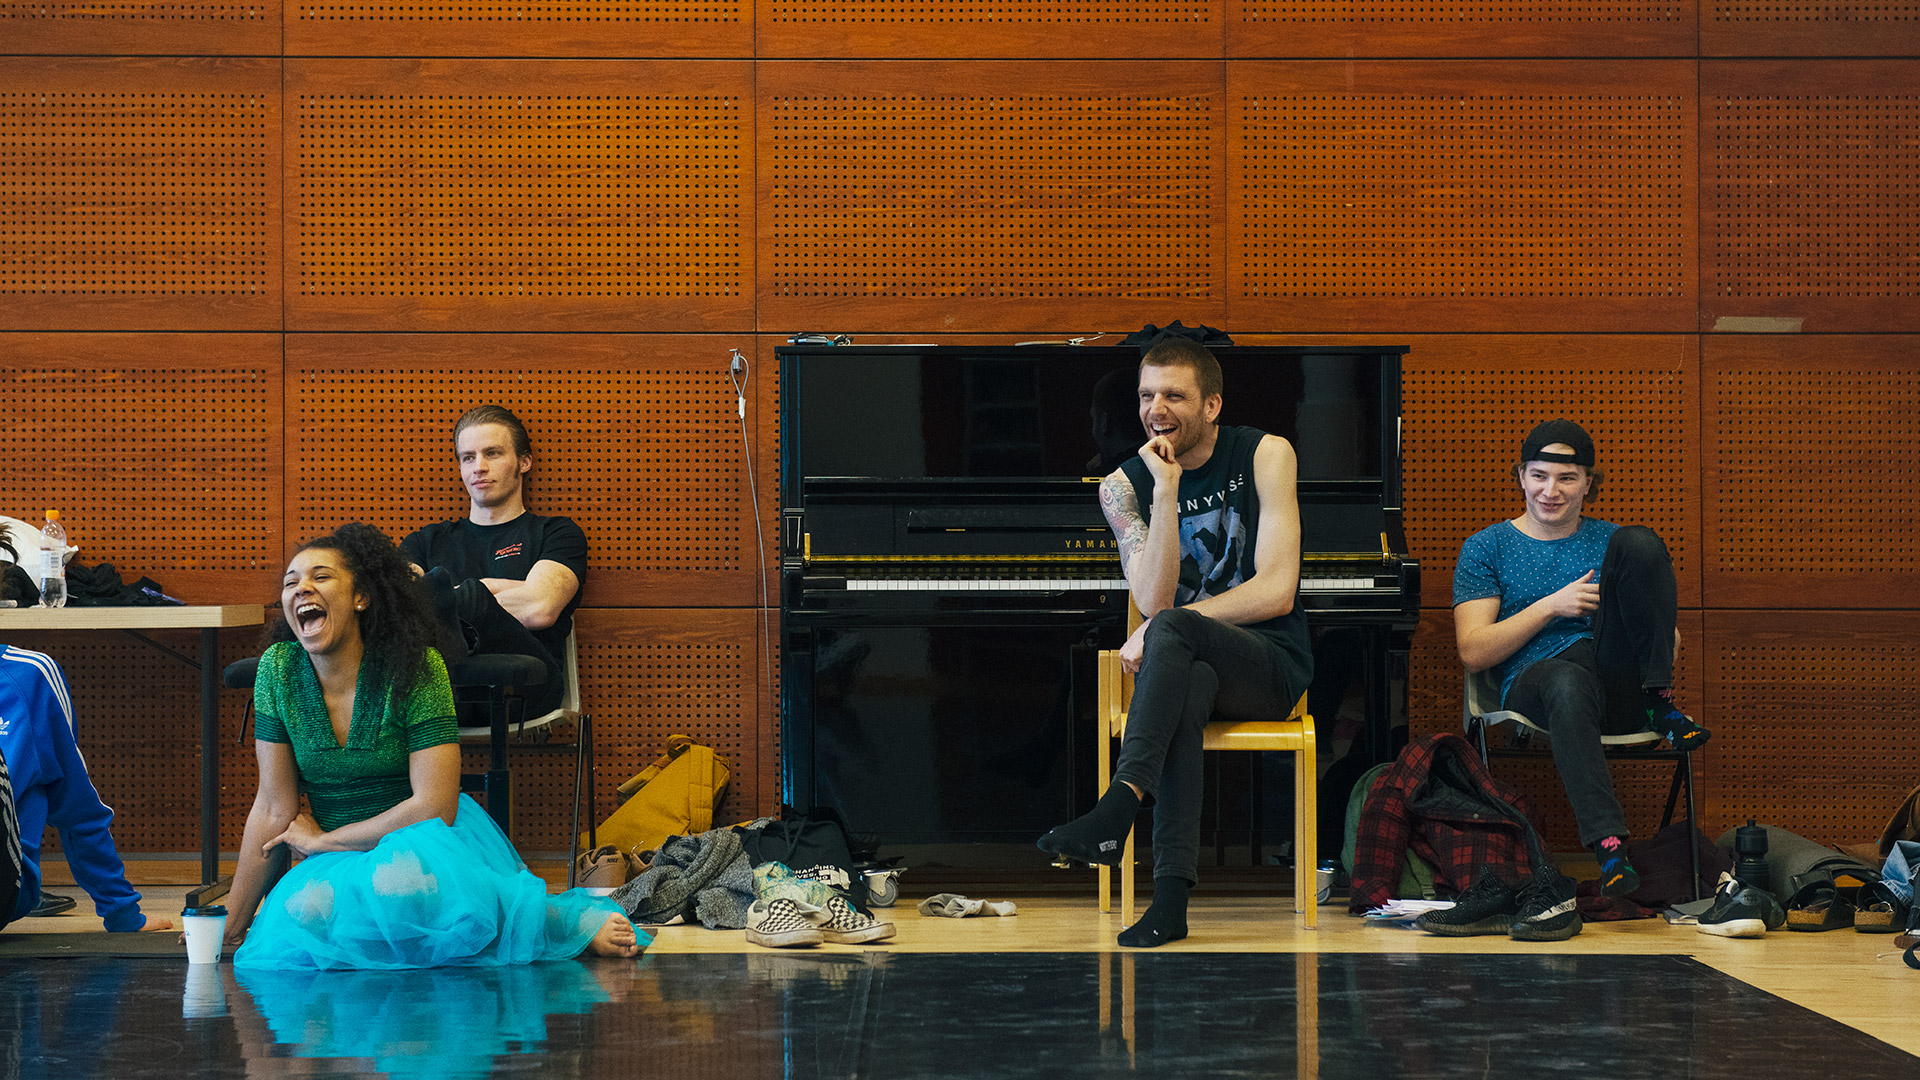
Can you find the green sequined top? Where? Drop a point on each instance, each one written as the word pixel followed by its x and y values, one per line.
pixel 368 776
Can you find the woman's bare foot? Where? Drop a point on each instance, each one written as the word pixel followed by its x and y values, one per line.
pixel 157 922
pixel 616 938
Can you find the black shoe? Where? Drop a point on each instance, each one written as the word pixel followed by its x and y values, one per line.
pixel 1741 911
pixel 1487 907
pixel 1547 911
pixel 51 904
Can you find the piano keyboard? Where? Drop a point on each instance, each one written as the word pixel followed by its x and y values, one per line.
pixel 1309 585
pixel 1335 584
pixel 981 584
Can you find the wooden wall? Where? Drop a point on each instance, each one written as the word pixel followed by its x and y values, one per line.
pixel 254 260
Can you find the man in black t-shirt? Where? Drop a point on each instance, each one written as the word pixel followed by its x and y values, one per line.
pixel 506 579
pixel 1208 526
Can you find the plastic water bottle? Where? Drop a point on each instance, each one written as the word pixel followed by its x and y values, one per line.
pixel 53 555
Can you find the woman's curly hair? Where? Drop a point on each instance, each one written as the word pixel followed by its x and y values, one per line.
pixel 399 625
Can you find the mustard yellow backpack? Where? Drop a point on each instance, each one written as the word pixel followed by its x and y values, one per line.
pixel 674 796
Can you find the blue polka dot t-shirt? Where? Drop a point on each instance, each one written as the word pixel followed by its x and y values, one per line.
pixel 1502 561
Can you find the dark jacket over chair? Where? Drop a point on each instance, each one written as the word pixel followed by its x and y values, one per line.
pixel 1438 801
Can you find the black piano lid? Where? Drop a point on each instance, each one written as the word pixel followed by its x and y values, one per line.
pixel 957 422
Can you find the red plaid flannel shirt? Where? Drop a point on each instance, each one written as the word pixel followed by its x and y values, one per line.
pixel 1456 831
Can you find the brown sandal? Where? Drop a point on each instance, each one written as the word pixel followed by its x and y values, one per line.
pixel 1880 911
pixel 1819 906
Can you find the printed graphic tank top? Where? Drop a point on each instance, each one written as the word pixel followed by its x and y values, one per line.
pixel 1219 525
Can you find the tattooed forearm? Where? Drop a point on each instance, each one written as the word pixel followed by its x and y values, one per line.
pixel 1122 508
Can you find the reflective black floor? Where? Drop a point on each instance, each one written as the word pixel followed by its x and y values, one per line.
pixel 885 1015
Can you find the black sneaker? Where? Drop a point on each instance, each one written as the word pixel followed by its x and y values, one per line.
pixel 51 904
pixel 1741 911
pixel 1486 907
pixel 1547 910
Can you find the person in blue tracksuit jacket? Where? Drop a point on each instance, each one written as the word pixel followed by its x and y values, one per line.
pixel 51 787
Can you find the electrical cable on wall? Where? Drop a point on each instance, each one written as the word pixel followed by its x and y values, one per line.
pixel 739 373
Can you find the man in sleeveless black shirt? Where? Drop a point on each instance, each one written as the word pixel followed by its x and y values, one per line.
pixel 505 579
pixel 1208 525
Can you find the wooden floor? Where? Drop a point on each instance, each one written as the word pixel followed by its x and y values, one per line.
pixel 1856 979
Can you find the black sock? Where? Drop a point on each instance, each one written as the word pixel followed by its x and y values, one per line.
pixel 1617 875
pixel 1166 918
pixel 1099 835
pixel 1668 719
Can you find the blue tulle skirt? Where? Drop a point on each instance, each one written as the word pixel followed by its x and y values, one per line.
pixel 427 895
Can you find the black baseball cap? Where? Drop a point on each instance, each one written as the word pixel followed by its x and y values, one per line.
pixel 1559 431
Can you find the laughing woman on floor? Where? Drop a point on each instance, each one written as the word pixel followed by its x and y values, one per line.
pixel 400 870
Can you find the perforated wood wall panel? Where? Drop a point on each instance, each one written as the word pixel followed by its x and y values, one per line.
pixel 635 438
pixel 1434 706
pixel 1810 194
pixel 519 195
pixel 1807 443
pixel 139 194
pixel 1462 196
pixel 138 713
pixel 133 28
pixel 1333 28
pixel 645 675
pixel 1818 718
pixel 1764 28
pixel 535 28
pixel 989 196
pixel 161 452
pixel 1468 402
pixel 803 29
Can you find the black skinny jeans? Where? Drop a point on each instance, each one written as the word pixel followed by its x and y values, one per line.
pixel 1193 666
pixel 1593 687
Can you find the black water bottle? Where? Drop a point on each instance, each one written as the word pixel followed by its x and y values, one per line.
pixel 1750 856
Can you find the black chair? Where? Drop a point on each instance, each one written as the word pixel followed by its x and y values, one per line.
pixel 1479 711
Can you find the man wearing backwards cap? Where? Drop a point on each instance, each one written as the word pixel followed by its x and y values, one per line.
pixel 1576 618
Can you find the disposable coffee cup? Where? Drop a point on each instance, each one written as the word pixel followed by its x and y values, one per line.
pixel 206 929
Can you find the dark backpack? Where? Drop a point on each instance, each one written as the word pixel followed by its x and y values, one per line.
pixel 799 840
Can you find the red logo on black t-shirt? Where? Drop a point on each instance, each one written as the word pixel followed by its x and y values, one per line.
pixel 509 551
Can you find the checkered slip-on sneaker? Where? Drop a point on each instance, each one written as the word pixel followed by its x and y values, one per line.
pixel 845 925
pixel 784 924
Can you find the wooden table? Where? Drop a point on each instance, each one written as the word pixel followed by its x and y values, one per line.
pixel 209 619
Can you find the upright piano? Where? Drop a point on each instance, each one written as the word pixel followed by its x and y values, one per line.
pixel 947 575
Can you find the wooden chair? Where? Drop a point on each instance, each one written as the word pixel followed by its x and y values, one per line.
pixel 1294 735
pixel 1479 711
